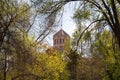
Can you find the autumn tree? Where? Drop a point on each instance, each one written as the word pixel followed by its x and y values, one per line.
pixel 49 65
pixel 10 25
pixel 98 13
pixel 15 23
pixel 109 54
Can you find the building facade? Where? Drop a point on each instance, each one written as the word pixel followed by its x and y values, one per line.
pixel 59 39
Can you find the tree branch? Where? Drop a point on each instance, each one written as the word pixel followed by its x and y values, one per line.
pixel 109 12
pixel 115 12
pixel 85 30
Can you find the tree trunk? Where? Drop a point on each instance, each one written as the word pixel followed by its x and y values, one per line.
pixel 5 66
pixel 117 34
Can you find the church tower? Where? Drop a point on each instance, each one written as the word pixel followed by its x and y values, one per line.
pixel 59 39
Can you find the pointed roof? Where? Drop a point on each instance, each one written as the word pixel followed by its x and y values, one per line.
pixel 61 32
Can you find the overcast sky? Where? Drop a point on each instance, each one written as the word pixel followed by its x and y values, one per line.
pixel 67 23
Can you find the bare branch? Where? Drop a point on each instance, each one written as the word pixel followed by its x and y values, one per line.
pixel 85 30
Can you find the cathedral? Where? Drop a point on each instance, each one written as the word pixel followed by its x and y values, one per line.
pixel 59 39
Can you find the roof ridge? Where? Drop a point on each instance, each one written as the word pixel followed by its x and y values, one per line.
pixel 61 32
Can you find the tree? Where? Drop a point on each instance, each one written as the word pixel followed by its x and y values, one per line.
pixel 108 50
pixel 73 64
pixel 49 66
pixel 109 11
pixel 100 13
pixel 16 20
pixel 87 63
pixel 10 25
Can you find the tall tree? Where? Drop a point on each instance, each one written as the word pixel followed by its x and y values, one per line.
pixel 108 50
pixel 109 10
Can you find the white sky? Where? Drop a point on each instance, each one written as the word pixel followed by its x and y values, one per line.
pixel 67 23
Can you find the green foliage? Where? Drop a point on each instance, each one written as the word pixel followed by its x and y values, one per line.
pixel 49 66
pixel 26 61
pixel 82 15
pixel 86 35
pixel 1 75
pixel 109 51
pixel 73 64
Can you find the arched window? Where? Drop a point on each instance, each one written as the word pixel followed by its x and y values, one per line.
pixel 60 41
pixel 63 41
pixel 55 41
